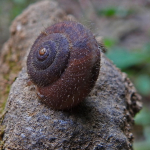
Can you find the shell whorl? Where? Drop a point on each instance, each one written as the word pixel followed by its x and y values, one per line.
pixel 64 63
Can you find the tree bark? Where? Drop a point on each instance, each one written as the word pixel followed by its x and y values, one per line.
pixel 102 121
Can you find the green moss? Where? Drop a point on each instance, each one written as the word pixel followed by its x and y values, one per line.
pixel 13 69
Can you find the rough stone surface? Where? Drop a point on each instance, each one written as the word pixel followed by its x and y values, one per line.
pixel 102 122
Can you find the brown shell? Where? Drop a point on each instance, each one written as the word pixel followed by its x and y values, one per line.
pixel 64 63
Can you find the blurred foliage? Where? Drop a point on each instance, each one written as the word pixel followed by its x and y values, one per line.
pixel 14 7
pixel 143 118
pixel 136 64
pixel 18 6
pixel 115 12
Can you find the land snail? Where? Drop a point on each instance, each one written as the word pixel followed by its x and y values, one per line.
pixel 64 64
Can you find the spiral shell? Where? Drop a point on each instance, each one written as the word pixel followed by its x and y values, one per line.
pixel 64 64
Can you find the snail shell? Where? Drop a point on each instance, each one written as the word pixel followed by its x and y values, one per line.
pixel 64 64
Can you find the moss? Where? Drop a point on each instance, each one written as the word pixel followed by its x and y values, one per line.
pixel 8 77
